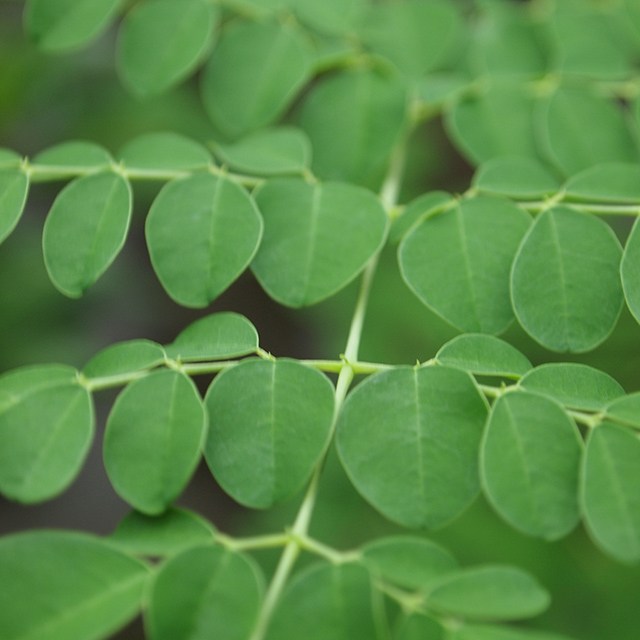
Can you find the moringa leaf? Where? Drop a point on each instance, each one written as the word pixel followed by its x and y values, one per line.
pixel 124 358
pixel 164 151
pixel 14 187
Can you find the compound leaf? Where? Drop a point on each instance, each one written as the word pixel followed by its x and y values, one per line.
pixel 85 230
pixel 530 461
pixel 153 439
pixel 124 358
pixel 270 423
pixel 14 187
pixel 457 262
pixel 565 282
pixel 66 585
pixel 409 439
pixel 202 232
pixel 613 182
pixel 317 238
pixel 204 589
pixel 164 150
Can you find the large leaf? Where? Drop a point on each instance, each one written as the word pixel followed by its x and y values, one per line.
pixel 565 284
pixel 85 230
pixel 409 439
pixel 61 585
pixel 14 186
pixel 164 150
pixel 612 182
pixel 205 592
pixel 530 461
pixel 162 41
pixel 457 262
pixel 124 358
pixel 254 74
pixel 202 232
pixel 270 423
pixel 611 491
pixel 317 238
pixel 46 427
pixel 153 439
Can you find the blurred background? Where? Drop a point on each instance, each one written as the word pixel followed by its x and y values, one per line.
pixel 49 99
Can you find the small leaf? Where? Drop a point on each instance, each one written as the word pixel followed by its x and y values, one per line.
pixel 625 410
pixel 611 491
pixel 60 25
pixel 418 627
pixel 317 238
pixel 270 423
pixel 530 460
pixel 422 207
pixel 573 385
pixel 490 632
pixel 66 585
pixel 493 592
pixel 614 182
pixel 9 159
pixel 516 177
pixel 46 428
pixel 329 16
pixel 153 440
pixel 413 563
pixel 205 590
pixel 124 358
pixel 161 42
pixel 630 270
pixel 85 230
pixel 74 154
pixel 163 535
pixel 274 151
pixel 483 355
pixel 565 284
pixel 457 262
pixel 164 151
pixel 215 337
pixel 14 187
pixel 202 232
pixel 326 601
pixel 254 74
pixel 409 439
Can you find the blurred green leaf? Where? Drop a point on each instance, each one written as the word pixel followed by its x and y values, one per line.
pixel 630 270
pixel 9 159
pixel 418 627
pixel 14 187
pixel 423 206
pixel 74 153
pixel 124 358
pixel 165 150
pixel 329 16
pixel 491 632
pixel 613 182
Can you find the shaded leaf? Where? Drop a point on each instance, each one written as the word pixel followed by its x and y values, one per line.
pixel 490 632
pixel 613 182
pixel 9 159
pixel 124 358
pixel 330 16
pixel 14 187
pixel 625 410
pixel 164 150
pixel 630 270
pixel 418 627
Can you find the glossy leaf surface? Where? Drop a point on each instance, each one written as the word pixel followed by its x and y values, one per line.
pixel 14 186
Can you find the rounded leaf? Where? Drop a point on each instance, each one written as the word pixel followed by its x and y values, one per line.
pixel 74 155
pixel 490 632
pixel 422 207
pixel 409 439
pixel 630 270
pixel 9 159
pixel 270 423
pixel 612 182
pixel 14 187
pixel 124 358
pixel 329 16
pixel 625 410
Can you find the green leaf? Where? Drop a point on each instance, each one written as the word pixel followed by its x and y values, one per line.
pixel 329 16
pixel 422 207
pixel 317 238
pixel 46 428
pixel 63 25
pixel 202 233
pixel 354 119
pixel 630 270
pixel 14 187
pixel 66 586
pixel 516 177
pixel 490 632
pixel 457 262
pixel 413 563
pixel 417 36
pixel 153 440
pixel 483 355
pixel 409 439
pixel 625 410
pixel 85 230
pixel 274 151
pixel 611 491
pixel 203 591
pixel 326 601
pixel 270 423
pixel 74 155
pixel 9 159
pixel 573 385
pixel 254 74
pixel 164 151
pixel 418 627
pixel 493 592
pixel 579 129
pixel 530 461
pixel 163 535
pixel 613 182
pixel 124 358
pixel 215 337
pixel 161 42
pixel 565 284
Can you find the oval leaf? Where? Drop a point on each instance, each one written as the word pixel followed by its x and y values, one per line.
pixel 630 270
pixel 46 428
pixel 14 187
pixel 613 182
pixel 164 151
pixel 407 450
pixel 565 284
pixel 9 159
pixel 330 16
pixel 153 440
pixel 202 232
pixel 490 632
pixel 457 262
pixel 205 590
pixel 625 410
pixel 124 358
pixel 73 156
pixel 422 207
pixel 85 230
pixel 317 238
pixel 270 423
pixel 416 626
